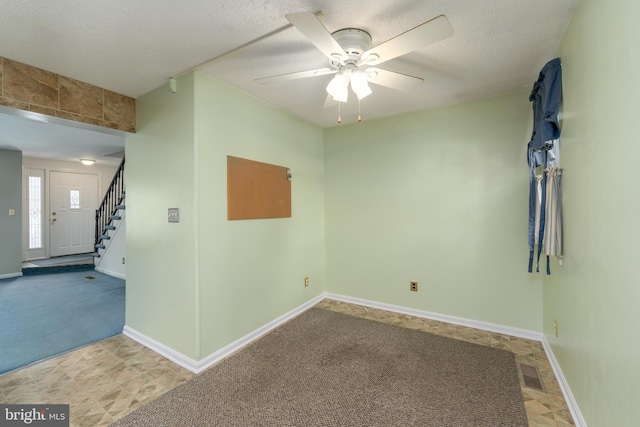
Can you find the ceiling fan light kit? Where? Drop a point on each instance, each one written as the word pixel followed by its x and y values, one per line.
pixel 338 87
pixel 350 50
pixel 349 74
pixel 359 84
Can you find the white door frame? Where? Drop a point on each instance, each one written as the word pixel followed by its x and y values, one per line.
pixel 46 211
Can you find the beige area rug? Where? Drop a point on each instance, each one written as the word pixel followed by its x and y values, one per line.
pixel 331 369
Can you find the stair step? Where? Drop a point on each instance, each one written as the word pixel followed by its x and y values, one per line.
pixel 31 271
pixel 95 255
pixel 109 227
pixel 120 207
pixel 100 246
pixel 105 237
pixel 115 217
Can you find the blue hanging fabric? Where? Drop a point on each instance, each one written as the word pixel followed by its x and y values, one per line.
pixel 546 97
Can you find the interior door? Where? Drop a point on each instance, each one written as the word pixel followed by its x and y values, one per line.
pixel 73 199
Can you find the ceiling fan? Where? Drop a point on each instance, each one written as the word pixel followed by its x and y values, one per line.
pixel 353 60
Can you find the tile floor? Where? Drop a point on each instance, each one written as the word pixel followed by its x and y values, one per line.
pixel 101 382
pixel 544 409
pixel 107 380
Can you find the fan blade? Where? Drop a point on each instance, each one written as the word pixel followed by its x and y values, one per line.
pixel 294 76
pixel 394 80
pixel 425 34
pixel 311 27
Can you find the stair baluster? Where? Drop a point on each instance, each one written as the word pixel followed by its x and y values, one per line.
pixel 107 212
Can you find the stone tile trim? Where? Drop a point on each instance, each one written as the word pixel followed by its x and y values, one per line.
pixel 31 89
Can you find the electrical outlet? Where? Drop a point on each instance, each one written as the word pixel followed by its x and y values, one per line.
pixel 123 260
pixel 413 286
pixel 555 327
pixel 306 282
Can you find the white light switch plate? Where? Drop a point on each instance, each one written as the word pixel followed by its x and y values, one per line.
pixel 174 215
pixel 12 212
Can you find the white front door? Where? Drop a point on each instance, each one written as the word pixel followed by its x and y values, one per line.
pixel 73 199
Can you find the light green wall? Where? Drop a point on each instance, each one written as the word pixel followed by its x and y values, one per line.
pixel 439 197
pixel 10 198
pixel 595 295
pixel 252 271
pixel 161 287
pixel 201 284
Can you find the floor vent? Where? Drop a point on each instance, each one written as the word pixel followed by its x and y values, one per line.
pixel 89 277
pixel 531 377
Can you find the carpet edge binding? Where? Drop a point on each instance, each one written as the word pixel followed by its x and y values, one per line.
pixel 196 367
pixel 158 409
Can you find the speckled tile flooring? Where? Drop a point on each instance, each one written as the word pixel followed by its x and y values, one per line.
pixel 544 409
pixel 102 382
pixel 107 380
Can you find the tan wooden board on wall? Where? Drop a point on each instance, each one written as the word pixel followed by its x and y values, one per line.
pixel 257 190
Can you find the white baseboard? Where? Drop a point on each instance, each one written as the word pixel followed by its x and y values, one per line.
pixel 10 275
pixel 176 357
pixel 486 326
pixel 199 366
pixel 110 273
pixel 578 419
pixel 252 336
pixel 492 327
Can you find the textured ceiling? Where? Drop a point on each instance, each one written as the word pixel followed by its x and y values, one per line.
pixel 134 46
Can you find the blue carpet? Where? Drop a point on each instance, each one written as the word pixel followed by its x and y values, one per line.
pixel 45 315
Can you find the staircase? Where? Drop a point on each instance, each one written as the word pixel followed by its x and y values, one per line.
pixel 110 211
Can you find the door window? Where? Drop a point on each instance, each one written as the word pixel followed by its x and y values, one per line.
pixel 74 199
pixel 35 212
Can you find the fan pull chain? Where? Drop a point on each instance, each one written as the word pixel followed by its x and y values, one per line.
pixel 339 118
pixel 359 115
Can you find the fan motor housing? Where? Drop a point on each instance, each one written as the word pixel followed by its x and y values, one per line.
pixel 354 41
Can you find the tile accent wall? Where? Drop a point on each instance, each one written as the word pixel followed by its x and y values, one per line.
pixel 31 89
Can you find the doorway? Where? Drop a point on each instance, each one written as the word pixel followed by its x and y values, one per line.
pixel 63 211
pixel 73 199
